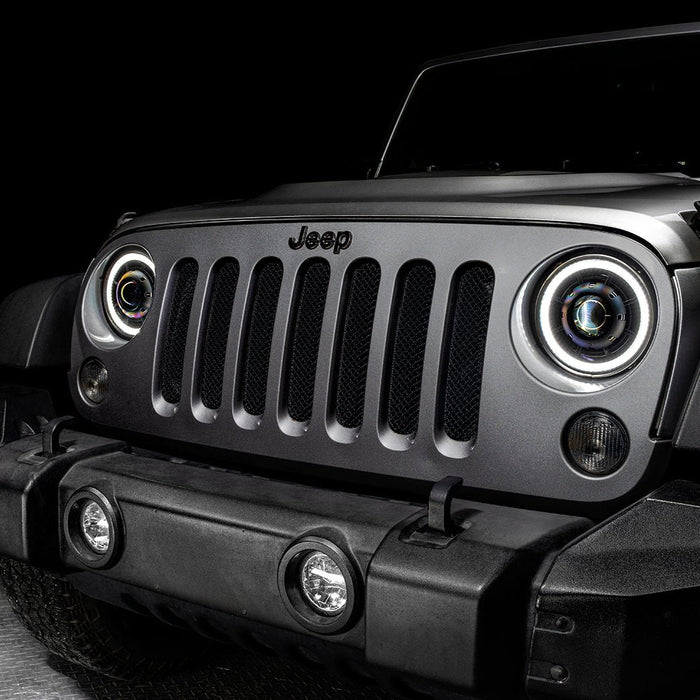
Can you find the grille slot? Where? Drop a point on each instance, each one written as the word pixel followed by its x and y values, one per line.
pixel 172 356
pixel 307 318
pixel 260 322
pixel 355 336
pixel 463 361
pixel 222 293
pixel 411 315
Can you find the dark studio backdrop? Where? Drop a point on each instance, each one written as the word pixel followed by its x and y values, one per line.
pixel 122 116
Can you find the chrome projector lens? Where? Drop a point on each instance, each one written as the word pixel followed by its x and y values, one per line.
pixel 594 315
pixel 127 291
pixel 323 584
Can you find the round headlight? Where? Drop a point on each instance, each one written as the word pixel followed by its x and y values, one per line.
pixel 127 291
pixel 596 442
pixel 94 527
pixel 594 315
pixel 323 584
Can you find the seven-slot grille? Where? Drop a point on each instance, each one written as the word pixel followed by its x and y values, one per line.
pixel 406 337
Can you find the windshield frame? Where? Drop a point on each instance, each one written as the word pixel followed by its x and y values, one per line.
pixel 529 47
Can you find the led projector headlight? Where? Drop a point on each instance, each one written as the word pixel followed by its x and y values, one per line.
pixel 127 291
pixel 594 315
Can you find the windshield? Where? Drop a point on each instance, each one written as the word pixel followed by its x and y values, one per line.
pixel 624 106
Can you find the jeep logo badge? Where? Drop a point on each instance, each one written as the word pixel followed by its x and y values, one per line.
pixel 338 241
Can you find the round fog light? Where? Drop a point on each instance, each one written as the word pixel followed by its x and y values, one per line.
pixel 94 527
pixel 320 586
pixel 596 443
pixel 93 381
pixel 323 584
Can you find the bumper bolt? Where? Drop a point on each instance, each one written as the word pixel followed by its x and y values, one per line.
pixel 558 673
pixel 564 624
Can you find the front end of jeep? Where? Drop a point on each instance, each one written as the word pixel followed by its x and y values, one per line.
pixel 439 429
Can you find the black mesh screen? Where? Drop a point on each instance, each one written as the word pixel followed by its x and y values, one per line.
pixel 172 355
pixel 310 302
pixel 258 336
pixel 471 305
pixel 356 334
pixel 223 291
pixel 411 316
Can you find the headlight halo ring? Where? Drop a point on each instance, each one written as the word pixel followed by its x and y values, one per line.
pixel 122 269
pixel 615 285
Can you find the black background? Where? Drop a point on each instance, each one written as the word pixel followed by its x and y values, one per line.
pixel 114 113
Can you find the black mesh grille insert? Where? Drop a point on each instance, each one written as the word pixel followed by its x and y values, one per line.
pixel 258 336
pixel 222 293
pixel 356 334
pixel 464 351
pixel 310 302
pixel 172 355
pixel 411 316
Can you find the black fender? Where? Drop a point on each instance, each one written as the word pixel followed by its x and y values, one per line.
pixel 36 323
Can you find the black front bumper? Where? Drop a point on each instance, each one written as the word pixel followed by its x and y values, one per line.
pixel 509 600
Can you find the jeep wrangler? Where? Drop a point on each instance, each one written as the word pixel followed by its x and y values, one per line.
pixel 440 427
